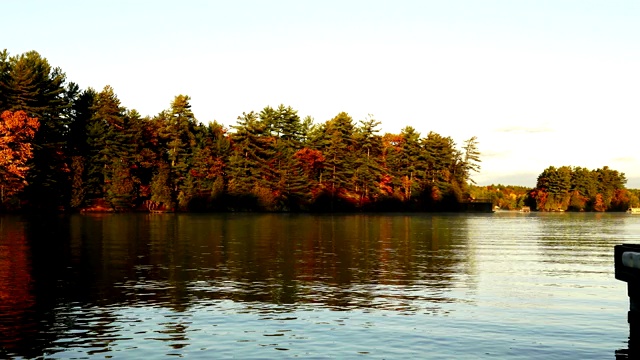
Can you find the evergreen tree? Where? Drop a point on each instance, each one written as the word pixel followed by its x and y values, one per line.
pixel 403 159
pixel 77 145
pixel 306 127
pixel 107 142
pixel 292 188
pixel 288 126
pixel 179 132
pixel 120 189
pixel 181 141
pixel 250 167
pixel 441 161
pixel 609 181
pixel 30 84
pixel 161 194
pixel 471 159
pixel 337 147
pixel 5 73
pixel 80 119
pixel 210 164
pixel 368 160
pixel 285 132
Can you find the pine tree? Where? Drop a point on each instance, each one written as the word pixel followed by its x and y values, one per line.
pixel 292 188
pixel 335 140
pixel 285 133
pixel 30 84
pixel 249 165
pixel 107 142
pixel 78 147
pixel 161 193
pixel 179 134
pixel 5 73
pixel 368 160
pixel 209 164
pixel 441 158
pixel 471 159
pixel 120 188
pixel 403 155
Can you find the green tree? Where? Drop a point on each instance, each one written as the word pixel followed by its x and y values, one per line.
pixel 285 135
pixel 368 162
pixel 581 189
pixel 161 194
pixel 471 159
pixel 337 145
pixel 209 163
pixel 555 183
pixel 250 164
pixel 30 84
pixel 5 73
pixel 120 189
pixel 107 141
pixel 78 146
pixel 584 187
pixel 181 142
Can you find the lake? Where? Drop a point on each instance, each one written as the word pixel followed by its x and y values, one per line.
pixel 505 285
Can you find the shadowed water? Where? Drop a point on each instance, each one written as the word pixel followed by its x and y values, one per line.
pixel 502 285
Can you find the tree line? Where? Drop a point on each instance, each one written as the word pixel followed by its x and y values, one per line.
pixel 569 188
pixel 505 197
pixel 565 188
pixel 66 148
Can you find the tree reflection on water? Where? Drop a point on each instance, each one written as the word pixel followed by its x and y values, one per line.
pixel 56 271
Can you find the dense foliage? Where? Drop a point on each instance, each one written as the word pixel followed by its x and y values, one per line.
pixel 564 189
pixel 505 197
pixel 580 189
pixel 70 149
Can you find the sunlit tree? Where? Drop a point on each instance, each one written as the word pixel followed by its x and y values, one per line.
pixel 16 133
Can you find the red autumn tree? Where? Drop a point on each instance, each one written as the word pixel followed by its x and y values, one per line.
pixel 310 160
pixel 16 132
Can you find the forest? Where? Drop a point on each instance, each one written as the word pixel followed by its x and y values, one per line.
pixel 565 188
pixel 63 148
pixel 569 188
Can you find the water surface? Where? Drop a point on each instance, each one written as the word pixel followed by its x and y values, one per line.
pixel 504 285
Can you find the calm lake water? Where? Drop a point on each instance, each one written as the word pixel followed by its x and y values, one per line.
pixel 505 285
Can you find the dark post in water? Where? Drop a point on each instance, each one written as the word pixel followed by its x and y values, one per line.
pixel 627 269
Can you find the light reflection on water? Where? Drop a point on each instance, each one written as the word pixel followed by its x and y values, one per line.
pixel 504 285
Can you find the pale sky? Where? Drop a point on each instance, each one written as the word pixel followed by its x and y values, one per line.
pixel 540 83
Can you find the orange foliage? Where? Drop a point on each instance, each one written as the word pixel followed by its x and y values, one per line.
pixel 392 140
pixel 309 159
pixel 598 204
pixel 16 132
pixel 385 184
pixel 620 200
pixel 436 194
pixel 541 198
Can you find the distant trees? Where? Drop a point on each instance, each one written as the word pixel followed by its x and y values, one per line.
pixel 73 149
pixel 565 188
pixel 580 189
pixel 66 148
pixel 506 197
